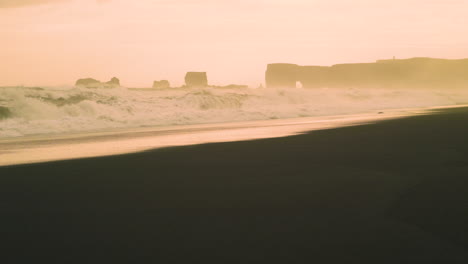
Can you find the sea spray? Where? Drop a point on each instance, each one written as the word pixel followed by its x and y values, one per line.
pixel 29 111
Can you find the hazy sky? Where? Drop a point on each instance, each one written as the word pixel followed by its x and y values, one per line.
pixel 55 42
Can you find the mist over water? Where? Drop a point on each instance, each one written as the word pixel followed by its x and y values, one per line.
pixel 31 111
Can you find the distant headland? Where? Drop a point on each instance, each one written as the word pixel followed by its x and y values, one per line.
pixel 414 72
pixel 404 73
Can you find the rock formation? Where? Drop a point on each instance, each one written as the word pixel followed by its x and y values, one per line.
pixel 93 83
pixel 88 82
pixel 196 79
pixel 114 82
pixel 415 72
pixel 281 75
pixel 163 84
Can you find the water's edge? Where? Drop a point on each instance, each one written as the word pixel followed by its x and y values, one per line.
pixel 37 149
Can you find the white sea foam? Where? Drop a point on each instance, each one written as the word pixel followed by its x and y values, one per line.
pixel 28 111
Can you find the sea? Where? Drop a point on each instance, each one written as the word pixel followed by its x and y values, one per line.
pixel 43 124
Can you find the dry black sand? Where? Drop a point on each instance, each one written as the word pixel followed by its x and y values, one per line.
pixel 391 192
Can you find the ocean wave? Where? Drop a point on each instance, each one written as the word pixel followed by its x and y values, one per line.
pixel 5 112
pixel 29 111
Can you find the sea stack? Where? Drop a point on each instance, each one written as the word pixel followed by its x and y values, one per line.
pixel 93 83
pixel 196 79
pixel 114 82
pixel 88 83
pixel 163 84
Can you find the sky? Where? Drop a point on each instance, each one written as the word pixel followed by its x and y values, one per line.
pixel 55 42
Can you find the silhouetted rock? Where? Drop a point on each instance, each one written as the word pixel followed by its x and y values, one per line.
pixel 281 75
pixel 163 84
pixel 408 73
pixel 115 82
pixel 88 82
pixel 196 79
pixel 93 83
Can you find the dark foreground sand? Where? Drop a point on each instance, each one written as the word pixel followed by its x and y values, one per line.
pixel 392 192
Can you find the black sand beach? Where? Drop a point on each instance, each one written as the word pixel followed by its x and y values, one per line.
pixel 391 192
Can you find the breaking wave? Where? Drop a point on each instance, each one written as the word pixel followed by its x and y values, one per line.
pixel 29 111
pixel 4 112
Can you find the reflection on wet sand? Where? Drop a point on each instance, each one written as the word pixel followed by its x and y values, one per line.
pixel 72 146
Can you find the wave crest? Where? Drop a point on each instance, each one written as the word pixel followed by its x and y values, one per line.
pixel 27 111
pixel 5 113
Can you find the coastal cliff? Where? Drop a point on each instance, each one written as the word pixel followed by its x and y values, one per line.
pixel 415 72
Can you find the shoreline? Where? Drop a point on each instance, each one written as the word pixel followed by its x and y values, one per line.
pixel 47 148
pixel 388 192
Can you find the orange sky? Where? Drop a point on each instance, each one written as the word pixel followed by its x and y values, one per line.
pixel 59 41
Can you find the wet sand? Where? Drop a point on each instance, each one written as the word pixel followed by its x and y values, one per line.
pixel 68 146
pixel 390 192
